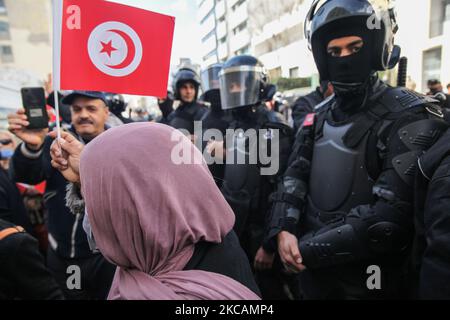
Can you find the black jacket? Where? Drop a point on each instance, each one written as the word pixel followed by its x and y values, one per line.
pixel 23 274
pixel 226 258
pixel 185 116
pixel 432 241
pixel 304 105
pixel 66 234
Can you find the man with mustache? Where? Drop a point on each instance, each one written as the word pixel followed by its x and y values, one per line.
pixel 31 163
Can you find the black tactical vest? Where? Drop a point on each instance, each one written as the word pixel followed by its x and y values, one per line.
pixel 339 178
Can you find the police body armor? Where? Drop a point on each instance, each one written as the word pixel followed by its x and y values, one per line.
pixel 242 180
pixel 340 175
pixel 339 179
pixel 245 189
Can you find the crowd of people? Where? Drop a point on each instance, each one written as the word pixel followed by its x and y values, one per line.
pixel 362 181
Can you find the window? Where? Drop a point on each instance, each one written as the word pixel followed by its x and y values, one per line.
pixel 237 5
pixel 207 16
pixel 431 66
pixel 209 55
pixel 243 50
pixel 210 34
pixel 240 27
pixel 439 13
pixel 6 54
pixel 275 73
pixel 282 39
pixel 4 30
pixel 293 72
pixel 2 7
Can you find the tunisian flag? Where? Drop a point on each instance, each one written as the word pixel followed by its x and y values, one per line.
pixel 105 46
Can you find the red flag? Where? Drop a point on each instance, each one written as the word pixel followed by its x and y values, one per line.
pixel 112 47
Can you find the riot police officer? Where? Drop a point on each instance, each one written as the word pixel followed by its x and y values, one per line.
pixel 215 117
pixel 343 211
pixel 117 105
pixel 244 88
pixel 186 86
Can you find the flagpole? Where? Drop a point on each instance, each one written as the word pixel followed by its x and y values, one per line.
pixel 58 124
pixel 57 25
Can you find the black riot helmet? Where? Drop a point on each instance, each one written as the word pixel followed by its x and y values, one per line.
pixel 374 19
pixel 210 77
pixel 243 82
pixel 116 103
pixel 185 75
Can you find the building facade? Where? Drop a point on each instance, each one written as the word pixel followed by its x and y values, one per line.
pixel 224 29
pixel 273 32
pixel 25 49
pixel 278 40
pixel 424 36
pixel 270 30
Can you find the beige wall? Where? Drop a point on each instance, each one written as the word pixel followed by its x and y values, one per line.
pixel 30 30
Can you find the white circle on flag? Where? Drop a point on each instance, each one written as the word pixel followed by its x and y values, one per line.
pixel 115 49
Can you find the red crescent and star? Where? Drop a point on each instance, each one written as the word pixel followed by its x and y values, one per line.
pixel 107 47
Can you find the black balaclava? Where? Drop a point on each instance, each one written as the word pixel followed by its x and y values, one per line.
pixel 213 97
pixel 245 116
pixel 351 75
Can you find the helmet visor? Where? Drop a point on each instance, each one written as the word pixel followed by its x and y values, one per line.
pixel 210 78
pixel 240 86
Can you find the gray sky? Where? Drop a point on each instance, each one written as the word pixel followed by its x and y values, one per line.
pixel 186 42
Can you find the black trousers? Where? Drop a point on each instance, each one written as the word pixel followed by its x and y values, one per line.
pixel 96 275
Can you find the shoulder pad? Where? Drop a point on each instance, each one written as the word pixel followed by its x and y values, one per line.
pixel 399 99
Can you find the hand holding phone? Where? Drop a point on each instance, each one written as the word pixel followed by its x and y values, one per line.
pixel 35 103
pixel 18 125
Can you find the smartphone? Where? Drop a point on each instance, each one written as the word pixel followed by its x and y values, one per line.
pixel 34 103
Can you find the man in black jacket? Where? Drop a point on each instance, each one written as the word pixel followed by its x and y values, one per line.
pixel 31 163
pixel 23 274
pixel 186 86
